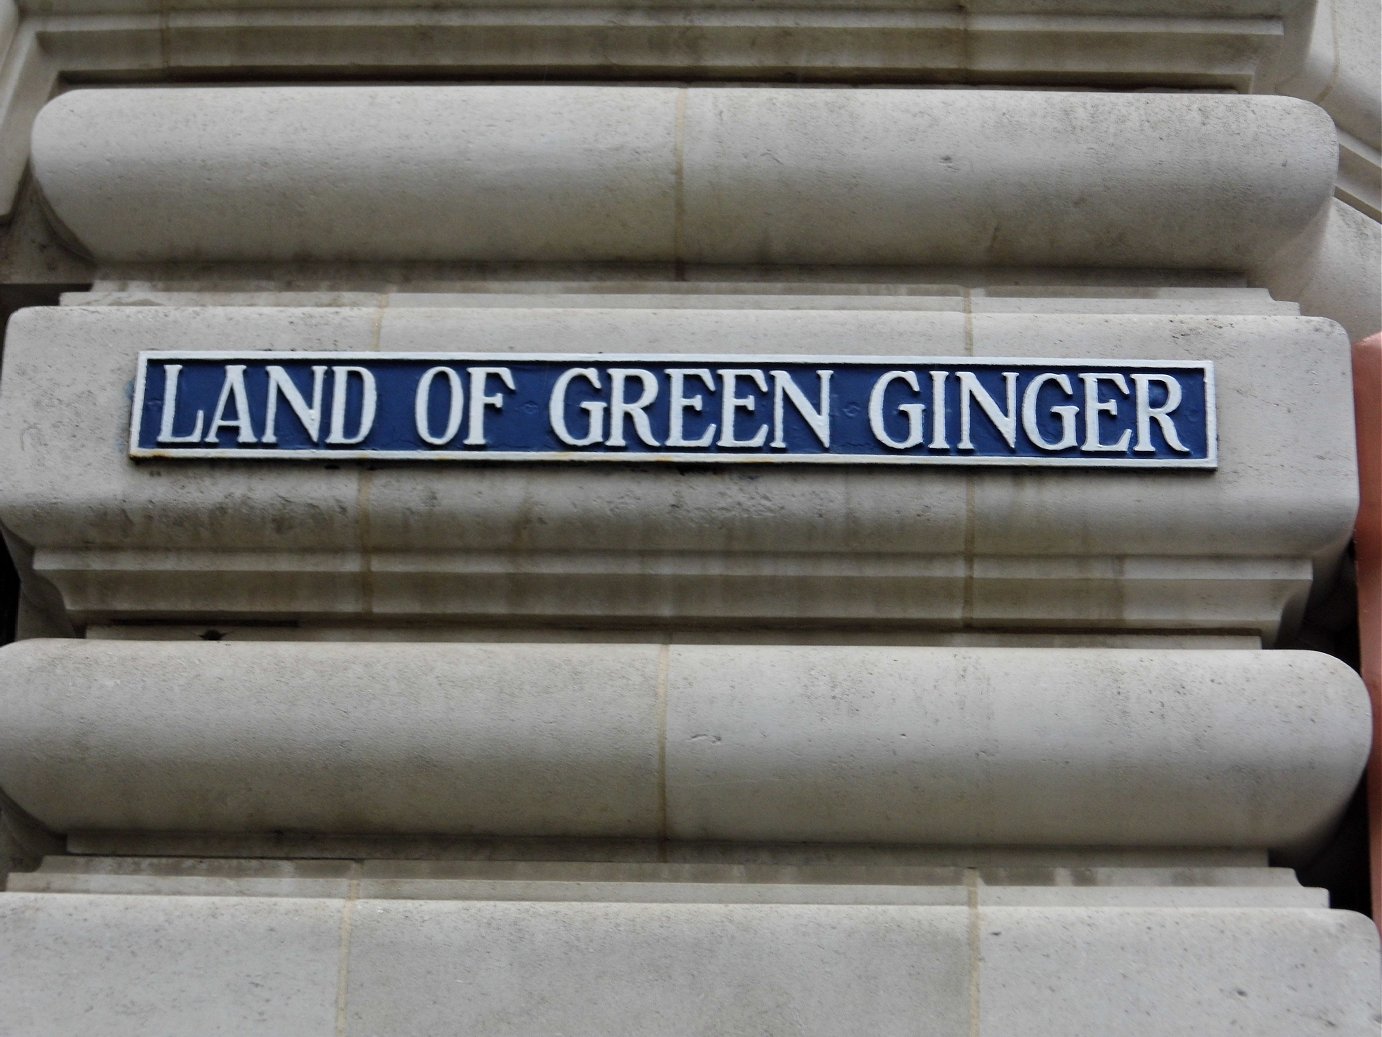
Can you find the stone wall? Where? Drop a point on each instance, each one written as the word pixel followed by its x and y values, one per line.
pixel 653 742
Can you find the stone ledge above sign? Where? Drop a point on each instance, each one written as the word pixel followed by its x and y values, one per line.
pixel 1229 550
pixel 1173 44
pixel 700 175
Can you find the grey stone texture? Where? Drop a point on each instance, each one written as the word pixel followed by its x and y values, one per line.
pixel 1266 973
pixel 749 743
pixel 615 969
pixel 1000 746
pixel 351 967
pixel 657 830
pixel 1336 271
pixel 487 739
pixel 707 175
pixel 1332 55
pixel 166 966
pixel 1231 551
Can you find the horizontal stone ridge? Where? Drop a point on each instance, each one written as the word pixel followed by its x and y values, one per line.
pixel 701 175
pixel 1186 8
pixel 601 880
pixel 787 743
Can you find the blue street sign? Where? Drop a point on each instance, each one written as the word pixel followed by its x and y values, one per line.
pixel 691 408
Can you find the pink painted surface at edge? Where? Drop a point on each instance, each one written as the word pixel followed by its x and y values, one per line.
pixel 1367 394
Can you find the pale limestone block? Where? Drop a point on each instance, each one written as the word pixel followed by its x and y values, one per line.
pixel 363 172
pixel 1354 98
pixel 1332 55
pixel 703 175
pixel 336 738
pixel 1337 68
pixel 1220 44
pixel 647 544
pixel 1337 275
pixel 1147 973
pixel 140 966
pixel 1038 747
pixel 1009 746
pixel 65 413
pixel 608 970
pixel 1286 472
pixel 746 324
pixel 173 965
pixel 1004 178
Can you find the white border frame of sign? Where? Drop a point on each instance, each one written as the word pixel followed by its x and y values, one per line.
pixel 1206 367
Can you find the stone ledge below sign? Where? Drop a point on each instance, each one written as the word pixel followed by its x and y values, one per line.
pixel 974 747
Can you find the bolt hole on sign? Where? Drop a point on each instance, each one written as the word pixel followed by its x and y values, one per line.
pixel 693 408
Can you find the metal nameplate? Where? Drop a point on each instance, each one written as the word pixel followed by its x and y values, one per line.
pixel 689 408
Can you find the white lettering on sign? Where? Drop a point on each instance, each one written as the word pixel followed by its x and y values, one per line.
pixel 309 414
pixel 1065 413
pixel 172 372
pixel 340 397
pixel 422 403
pixel 681 404
pixel 912 411
pixel 1146 412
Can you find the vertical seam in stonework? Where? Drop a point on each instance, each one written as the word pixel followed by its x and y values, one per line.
pixel 365 487
pixel 972 897
pixel 378 330
pixel 343 964
pixel 967 600
pixel 679 183
pixel 664 653
pixel 969 321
